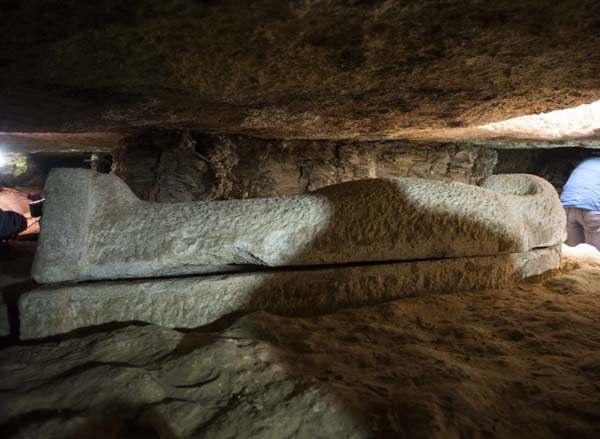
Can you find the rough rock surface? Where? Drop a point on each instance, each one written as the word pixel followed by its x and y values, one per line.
pixel 16 170
pixel 182 386
pixel 303 68
pixel 95 228
pixel 518 362
pixel 190 302
pixel 172 165
pixel 554 165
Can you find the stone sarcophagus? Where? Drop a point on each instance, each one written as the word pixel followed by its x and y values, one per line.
pixel 95 228
pixel 187 264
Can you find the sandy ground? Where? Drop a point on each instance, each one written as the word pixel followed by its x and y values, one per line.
pixel 523 362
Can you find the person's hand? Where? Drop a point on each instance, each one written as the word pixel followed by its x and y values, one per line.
pixel 33 226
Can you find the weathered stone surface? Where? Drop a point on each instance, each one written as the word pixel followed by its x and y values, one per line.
pixel 15 169
pixel 542 216
pixel 304 68
pixel 95 228
pixel 151 382
pixel 520 362
pixel 190 302
pixel 172 165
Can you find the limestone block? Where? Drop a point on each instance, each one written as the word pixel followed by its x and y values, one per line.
pixel 194 301
pixel 95 228
pixel 544 221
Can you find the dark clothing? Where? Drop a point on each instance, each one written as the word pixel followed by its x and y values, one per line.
pixel 11 223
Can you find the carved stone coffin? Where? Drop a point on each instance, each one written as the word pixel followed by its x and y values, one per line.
pixel 95 228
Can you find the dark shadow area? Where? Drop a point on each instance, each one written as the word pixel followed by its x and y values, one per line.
pixel 33 168
pixel 44 162
pixel 11 295
pixel 116 420
pixel 552 164
pixel 16 258
pixel 79 333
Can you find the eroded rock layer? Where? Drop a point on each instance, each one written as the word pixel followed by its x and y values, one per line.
pixel 172 165
pixel 297 69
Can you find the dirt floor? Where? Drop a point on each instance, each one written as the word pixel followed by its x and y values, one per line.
pixel 523 362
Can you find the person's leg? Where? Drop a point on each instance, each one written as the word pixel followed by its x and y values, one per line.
pixel 575 232
pixel 591 227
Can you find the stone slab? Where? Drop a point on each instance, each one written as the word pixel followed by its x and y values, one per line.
pixel 189 302
pixel 94 227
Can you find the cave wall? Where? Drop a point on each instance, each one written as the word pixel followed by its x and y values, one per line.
pixel 554 165
pixel 179 165
pixel 28 171
pixel 17 170
pixel 173 165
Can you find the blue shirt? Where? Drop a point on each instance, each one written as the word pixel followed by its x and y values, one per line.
pixel 582 189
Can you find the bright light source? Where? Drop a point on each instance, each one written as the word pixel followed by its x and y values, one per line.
pixel 576 122
pixel 3 159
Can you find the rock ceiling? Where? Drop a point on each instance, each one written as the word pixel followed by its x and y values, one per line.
pixel 317 69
